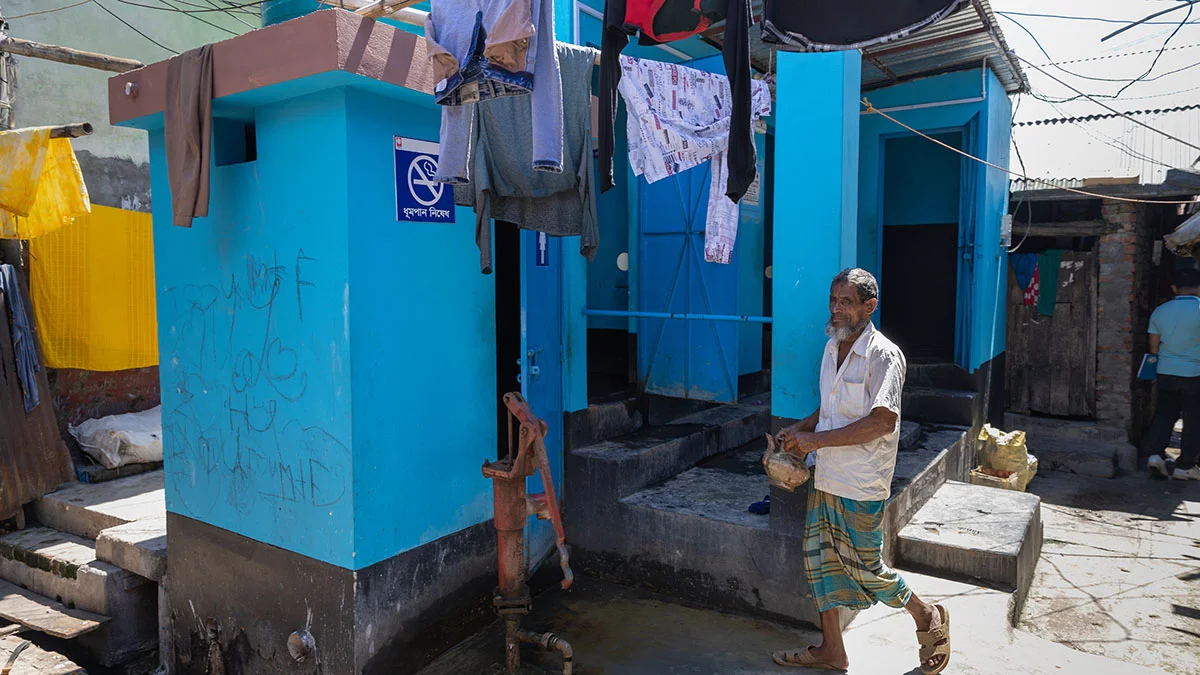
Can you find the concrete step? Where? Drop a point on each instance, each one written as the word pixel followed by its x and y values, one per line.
pixel 978 533
pixel 1089 458
pixel 1076 446
pixel 605 472
pixel 34 660
pixel 605 421
pixel 939 406
pixel 64 567
pixel 139 547
pixel 939 376
pixel 85 510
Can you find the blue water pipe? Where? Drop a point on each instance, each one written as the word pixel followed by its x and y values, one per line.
pixel 678 315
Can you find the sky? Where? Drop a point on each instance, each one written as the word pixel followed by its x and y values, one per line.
pixel 1103 69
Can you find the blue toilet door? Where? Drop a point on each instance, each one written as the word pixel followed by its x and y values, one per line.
pixel 542 364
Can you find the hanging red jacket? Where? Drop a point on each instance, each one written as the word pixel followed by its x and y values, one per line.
pixel 669 20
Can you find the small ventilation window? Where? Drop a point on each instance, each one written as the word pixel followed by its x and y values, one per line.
pixel 234 142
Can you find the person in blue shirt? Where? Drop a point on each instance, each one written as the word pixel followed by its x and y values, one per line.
pixel 1175 338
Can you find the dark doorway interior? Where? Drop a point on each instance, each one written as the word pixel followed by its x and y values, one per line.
pixel 506 267
pixel 918 304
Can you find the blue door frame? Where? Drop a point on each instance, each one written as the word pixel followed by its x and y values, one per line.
pixel 968 196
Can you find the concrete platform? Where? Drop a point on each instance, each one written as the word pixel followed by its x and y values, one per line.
pixel 85 510
pixel 139 547
pixel 691 536
pixel 64 567
pixel 1086 448
pixel 979 533
pixel 615 630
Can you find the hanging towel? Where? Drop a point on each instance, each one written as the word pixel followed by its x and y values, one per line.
pixel 679 118
pixel 188 119
pixel 41 186
pixel 22 336
pixel 1048 264
pixel 735 50
pixel 503 187
pixel 836 25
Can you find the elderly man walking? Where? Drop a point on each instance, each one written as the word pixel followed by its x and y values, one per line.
pixel 855 435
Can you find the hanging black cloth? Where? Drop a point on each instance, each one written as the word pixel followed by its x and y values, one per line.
pixel 835 25
pixel 676 17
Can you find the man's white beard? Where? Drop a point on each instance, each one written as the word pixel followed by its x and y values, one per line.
pixel 840 335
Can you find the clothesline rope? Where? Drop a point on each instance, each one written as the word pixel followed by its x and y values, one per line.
pixel 873 110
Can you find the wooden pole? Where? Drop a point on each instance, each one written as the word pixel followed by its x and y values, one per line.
pixel 71 130
pixel 67 55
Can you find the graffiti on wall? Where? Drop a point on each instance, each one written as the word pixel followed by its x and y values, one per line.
pixel 241 429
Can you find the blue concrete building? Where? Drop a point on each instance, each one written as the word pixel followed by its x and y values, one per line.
pixel 332 359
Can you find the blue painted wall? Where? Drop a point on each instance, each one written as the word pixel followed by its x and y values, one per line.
pixel 992 118
pixel 816 195
pixel 299 290
pixel 422 323
pixel 921 181
pixel 252 307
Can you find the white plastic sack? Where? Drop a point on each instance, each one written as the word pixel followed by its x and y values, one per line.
pixel 1185 240
pixel 117 440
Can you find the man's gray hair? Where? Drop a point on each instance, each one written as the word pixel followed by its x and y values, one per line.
pixel 863 281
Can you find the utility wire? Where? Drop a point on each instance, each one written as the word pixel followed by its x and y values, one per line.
pixel 873 110
pixel 234 15
pixel 1158 56
pixel 205 21
pixel 1087 18
pixel 201 10
pixel 1103 104
pixel 46 11
pixel 133 28
pixel 1152 16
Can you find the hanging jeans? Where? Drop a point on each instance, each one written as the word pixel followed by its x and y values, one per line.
pixel 679 118
pixel 1177 397
pixel 492 56
pixel 22 336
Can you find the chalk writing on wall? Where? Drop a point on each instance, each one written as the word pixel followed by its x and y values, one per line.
pixel 240 428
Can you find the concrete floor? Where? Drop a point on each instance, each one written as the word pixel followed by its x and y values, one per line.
pixel 1120 568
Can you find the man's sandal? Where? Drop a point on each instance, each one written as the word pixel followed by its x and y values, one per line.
pixel 935 644
pixel 802 658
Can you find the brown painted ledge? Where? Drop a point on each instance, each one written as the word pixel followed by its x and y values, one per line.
pixel 320 42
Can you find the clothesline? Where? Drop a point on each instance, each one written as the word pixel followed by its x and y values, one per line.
pixel 873 110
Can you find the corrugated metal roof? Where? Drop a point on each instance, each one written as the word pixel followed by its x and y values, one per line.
pixel 1106 146
pixel 961 41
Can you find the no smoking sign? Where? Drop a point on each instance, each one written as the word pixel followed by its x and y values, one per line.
pixel 420 198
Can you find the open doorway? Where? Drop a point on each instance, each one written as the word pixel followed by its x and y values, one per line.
pixel 919 246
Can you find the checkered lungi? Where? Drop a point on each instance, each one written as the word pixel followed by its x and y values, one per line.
pixel 843 554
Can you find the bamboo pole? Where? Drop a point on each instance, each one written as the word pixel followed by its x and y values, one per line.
pixel 384 7
pixel 67 55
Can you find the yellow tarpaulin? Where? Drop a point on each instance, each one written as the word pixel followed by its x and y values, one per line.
pixel 41 186
pixel 92 285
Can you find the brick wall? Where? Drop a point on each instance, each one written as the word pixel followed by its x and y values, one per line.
pixel 84 394
pixel 1116 316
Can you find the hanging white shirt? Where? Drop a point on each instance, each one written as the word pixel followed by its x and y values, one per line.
pixel 872 376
